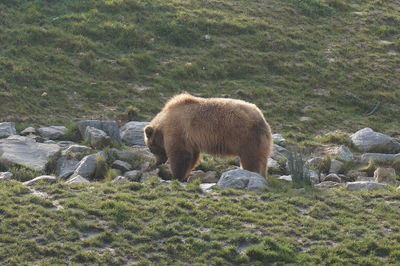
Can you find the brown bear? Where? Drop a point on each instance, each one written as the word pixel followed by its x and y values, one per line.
pixel 188 125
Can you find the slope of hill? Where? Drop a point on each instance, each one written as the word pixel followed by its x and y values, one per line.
pixel 330 60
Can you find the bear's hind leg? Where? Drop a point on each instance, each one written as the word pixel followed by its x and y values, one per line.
pixel 254 162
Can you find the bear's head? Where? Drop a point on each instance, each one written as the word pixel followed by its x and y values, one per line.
pixel 155 141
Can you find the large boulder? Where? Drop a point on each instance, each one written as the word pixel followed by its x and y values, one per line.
pixel 368 140
pixel 7 129
pixel 132 133
pixel 242 179
pixel 109 127
pixel 52 132
pixel 96 137
pixel 24 151
pixel 86 168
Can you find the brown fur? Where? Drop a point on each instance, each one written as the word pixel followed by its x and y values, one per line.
pixel 188 125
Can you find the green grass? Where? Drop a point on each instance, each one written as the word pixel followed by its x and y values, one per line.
pixel 108 224
pixel 97 59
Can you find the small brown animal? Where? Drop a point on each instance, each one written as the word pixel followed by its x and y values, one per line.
pixel 188 125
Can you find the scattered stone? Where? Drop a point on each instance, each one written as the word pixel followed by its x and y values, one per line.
pixel 204 177
pixel 121 165
pixel 370 141
pixel 132 133
pixel 66 167
pixel 120 179
pixel 148 175
pixel 19 150
pixel 352 175
pixel 6 176
pixel 279 139
pixel 133 175
pixel 336 166
pixel 52 132
pixel 242 179
pixel 207 187
pixel 109 127
pixel 47 178
pixel 365 178
pixel 86 167
pixel 329 184
pixel 7 129
pixel 343 153
pixel 305 118
pixel 28 131
pixel 332 177
pixel 287 178
pixel 385 175
pixel 364 185
pixel 379 157
pixel 96 137
pixel 77 180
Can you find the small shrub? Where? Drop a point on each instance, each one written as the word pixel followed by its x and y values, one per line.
pixel 132 113
pixel 24 174
pixel 101 167
pixel 110 175
pixel 73 133
pixel 300 175
pixel 370 168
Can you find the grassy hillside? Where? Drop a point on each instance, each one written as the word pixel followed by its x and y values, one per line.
pixel 154 224
pixel 331 60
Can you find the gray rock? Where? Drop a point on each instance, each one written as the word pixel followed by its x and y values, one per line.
pixel 336 166
pixel 7 129
pixel 86 167
pixel 352 175
pixel 365 178
pixel 28 131
pixel 343 153
pixel 314 163
pixel 96 137
pixel 328 184
pixel 368 140
pixel 47 178
pixel 77 151
pixel 364 185
pixel 275 168
pixel 109 127
pixel 132 133
pixel 148 175
pixel 385 175
pixel 332 177
pixel 66 167
pixel 77 180
pixel 120 179
pixel 314 177
pixel 52 132
pixel 122 166
pixel 204 177
pixel 379 157
pixel 6 176
pixel 207 187
pixel 133 175
pixel 18 150
pixel 287 178
pixel 242 179
pixel 278 138
pixel 279 153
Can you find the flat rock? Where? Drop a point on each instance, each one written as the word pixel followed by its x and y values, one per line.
pixel 7 129
pixel 329 184
pixel 47 178
pixel 6 176
pixel 364 185
pixel 121 165
pixel 109 127
pixel 207 187
pixel 379 157
pixel 52 132
pixel 368 140
pixel 242 179
pixel 77 180
pixel 23 151
pixel 287 178
pixel 332 177
pixel 132 133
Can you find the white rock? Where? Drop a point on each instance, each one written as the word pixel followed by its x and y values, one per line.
pixel 332 177
pixel 287 178
pixel 364 185
pixel 47 178
pixel 77 180
pixel 132 133
pixel 242 179
pixel 328 184
pixel 6 176
pixel 370 141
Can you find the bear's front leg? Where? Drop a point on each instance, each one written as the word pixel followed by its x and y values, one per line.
pixel 181 164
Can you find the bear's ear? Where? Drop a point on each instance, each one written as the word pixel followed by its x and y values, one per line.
pixel 148 130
